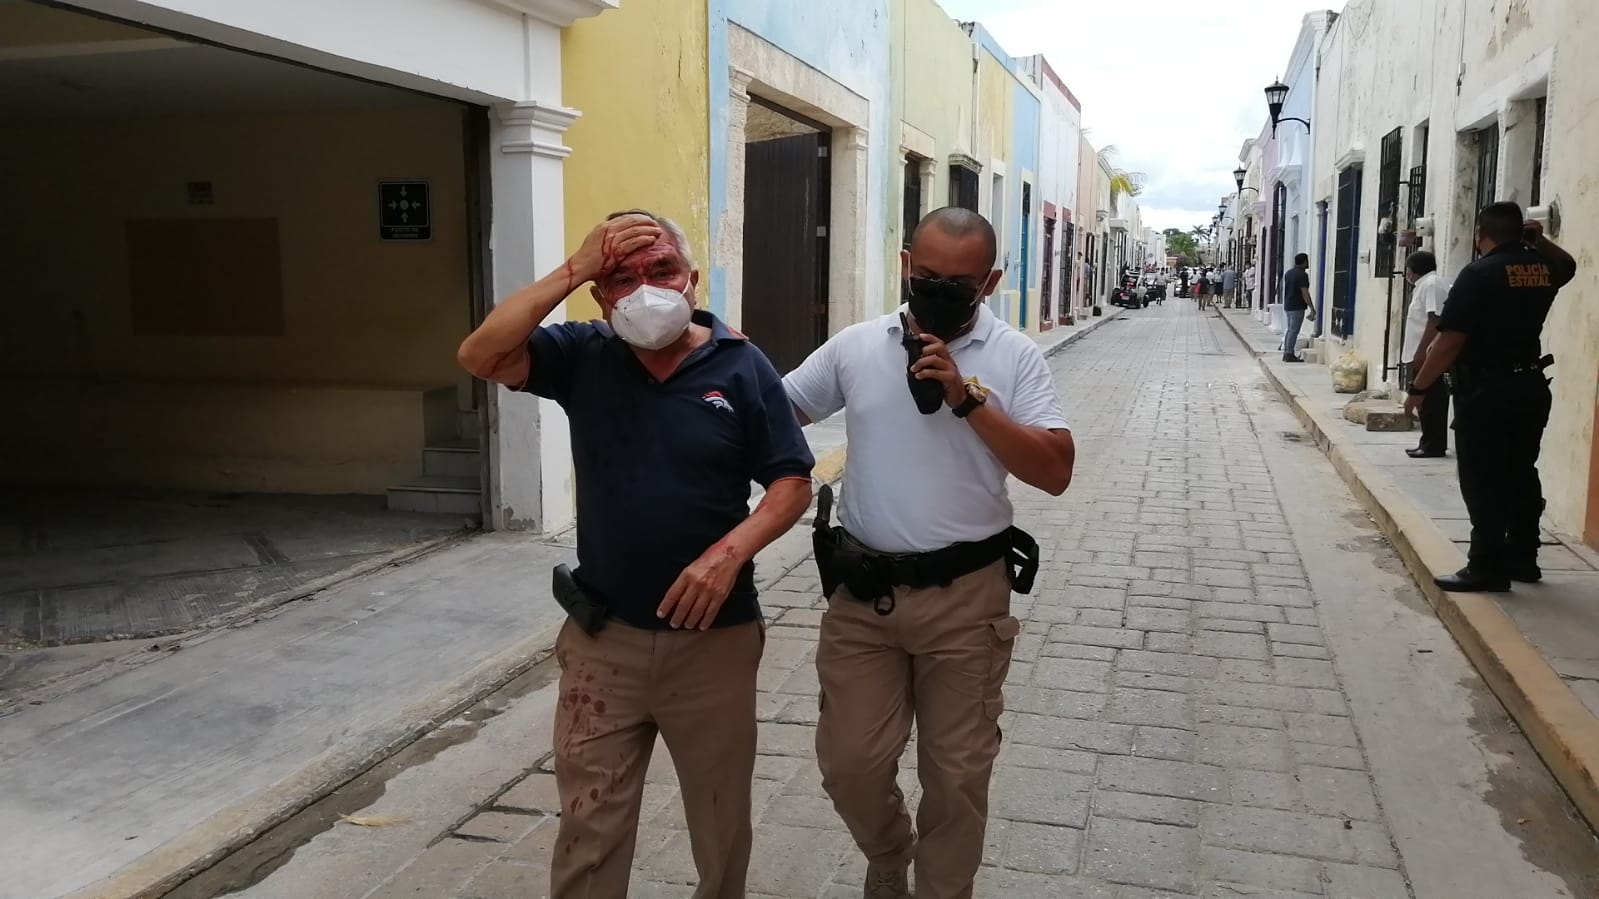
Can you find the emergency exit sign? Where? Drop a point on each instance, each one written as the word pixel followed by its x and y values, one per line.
pixel 404 210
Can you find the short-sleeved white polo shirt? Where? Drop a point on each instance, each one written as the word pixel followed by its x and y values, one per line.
pixel 914 482
pixel 1427 299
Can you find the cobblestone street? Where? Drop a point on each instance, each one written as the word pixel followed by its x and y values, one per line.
pixel 1176 724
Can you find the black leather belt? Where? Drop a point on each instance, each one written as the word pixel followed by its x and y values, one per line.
pixel 871 576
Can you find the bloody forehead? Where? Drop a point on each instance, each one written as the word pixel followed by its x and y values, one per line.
pixel 656 255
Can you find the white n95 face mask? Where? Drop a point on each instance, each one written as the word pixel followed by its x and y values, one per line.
pixel 651 318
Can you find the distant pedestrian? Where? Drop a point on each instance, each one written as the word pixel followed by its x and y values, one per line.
pixel 1229 284
pixel 1250 277
pixel 1489 339
pixel 1297 305
pixel 1421 326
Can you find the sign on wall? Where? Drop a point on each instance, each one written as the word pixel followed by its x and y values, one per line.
pixel 404 211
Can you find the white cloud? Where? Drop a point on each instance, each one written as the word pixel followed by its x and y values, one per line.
pixel 1175 86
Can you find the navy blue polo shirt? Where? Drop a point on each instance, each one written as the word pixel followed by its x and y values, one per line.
pixel 664 468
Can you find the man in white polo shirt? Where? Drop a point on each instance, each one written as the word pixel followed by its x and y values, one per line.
pixel 920 573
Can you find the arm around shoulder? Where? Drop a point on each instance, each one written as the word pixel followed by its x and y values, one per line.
pixel 815 388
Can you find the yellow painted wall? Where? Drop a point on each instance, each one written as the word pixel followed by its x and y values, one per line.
pixel 638 75
pixel 935 93
pixel 996 112
pixel 357 310
pixel 996 116
pixel 334 404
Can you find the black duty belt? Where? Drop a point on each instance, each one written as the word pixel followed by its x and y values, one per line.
pixel 1469 374
pixel 841 560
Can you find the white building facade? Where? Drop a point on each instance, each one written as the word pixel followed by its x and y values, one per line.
pixel 1425 111
pixel 1060 141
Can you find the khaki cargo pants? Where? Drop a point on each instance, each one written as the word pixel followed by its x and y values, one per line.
pixel 938 659
pixel 619 689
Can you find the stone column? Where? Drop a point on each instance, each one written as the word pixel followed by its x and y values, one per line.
pixel 530 453
pixel 729 251
pixel 926 170
pixel 850 298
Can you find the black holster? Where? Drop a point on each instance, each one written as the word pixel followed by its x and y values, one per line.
pixel 871 577
pixel 589 613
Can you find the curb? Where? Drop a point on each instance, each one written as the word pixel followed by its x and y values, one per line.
pixel 209 842
pixel 1086 330
pixel 1559 726
pixel 830 467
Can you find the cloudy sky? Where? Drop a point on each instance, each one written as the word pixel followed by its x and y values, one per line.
pixel 1175 85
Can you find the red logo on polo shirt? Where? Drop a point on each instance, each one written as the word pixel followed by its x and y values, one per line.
pixel 716 399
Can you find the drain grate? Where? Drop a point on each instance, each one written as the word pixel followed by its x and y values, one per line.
pixel 1293 436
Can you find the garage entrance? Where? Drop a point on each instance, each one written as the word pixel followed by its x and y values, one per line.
pixel 235 287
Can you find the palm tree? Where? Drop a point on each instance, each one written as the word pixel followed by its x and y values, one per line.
pixel 1122 182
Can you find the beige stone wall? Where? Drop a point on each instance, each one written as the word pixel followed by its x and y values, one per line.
pixel 330 401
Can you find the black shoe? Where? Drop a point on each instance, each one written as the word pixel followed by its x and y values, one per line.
pixel 1468 581
pixel 1292 359
pixel 1528 573
pixel 1419 453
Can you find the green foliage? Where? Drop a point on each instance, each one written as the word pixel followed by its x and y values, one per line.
pixel 1182 245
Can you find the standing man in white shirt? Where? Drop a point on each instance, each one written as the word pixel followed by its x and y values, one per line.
pixel 1421 326
pixel 920 573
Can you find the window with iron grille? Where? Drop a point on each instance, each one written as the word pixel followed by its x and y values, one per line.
pixel 1535 198
pixel 1345 247
pixel 1487 172
pixel 963 187
pixel 1387 206
pixel 1418 177
pixel 1274 240
pixel 913 197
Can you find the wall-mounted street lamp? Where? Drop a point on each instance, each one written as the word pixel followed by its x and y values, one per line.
pixel 1276 94
pixel 1238 176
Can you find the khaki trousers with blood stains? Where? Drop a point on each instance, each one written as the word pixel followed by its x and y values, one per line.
pixel 938 659
pixel 618 690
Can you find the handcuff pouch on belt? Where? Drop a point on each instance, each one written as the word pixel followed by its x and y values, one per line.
pixel 871 577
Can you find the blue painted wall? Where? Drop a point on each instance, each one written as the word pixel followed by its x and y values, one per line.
pixel 847 40
pixel 1027 122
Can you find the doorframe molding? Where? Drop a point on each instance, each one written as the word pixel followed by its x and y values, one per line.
pixel 759 68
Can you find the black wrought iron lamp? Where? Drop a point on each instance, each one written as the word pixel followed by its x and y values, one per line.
pixel 1238 176
pixel 1276 94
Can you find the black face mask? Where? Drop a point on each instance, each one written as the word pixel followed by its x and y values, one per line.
pixel 942 307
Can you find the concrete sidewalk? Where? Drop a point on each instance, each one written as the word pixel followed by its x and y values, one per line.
pixel 1538 646
pixel 168 755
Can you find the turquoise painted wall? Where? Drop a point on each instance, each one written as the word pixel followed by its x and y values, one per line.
pixel 847 40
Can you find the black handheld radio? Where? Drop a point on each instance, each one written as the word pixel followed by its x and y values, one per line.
pixel 929 394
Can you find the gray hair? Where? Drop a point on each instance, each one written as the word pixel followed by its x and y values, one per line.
pixel 672 229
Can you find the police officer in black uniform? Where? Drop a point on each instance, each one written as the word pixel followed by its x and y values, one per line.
pixel 1489 341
